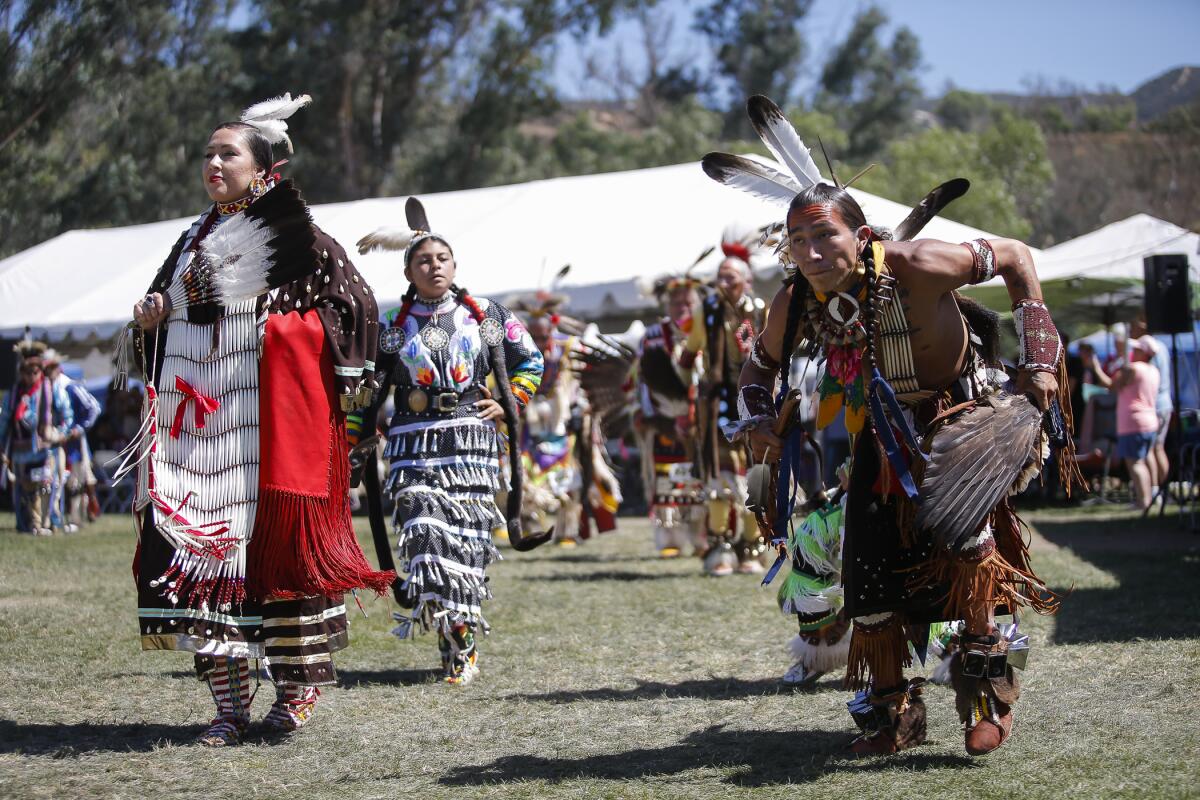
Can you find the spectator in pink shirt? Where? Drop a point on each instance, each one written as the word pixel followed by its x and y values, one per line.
pixel 1136 386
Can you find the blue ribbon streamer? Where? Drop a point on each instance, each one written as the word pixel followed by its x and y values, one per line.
pixel 878 383
pixel 774 570
pixel 883 429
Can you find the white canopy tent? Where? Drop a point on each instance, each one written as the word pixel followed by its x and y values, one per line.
pixel 1098 276
pixel 1115 251
pixel 618 231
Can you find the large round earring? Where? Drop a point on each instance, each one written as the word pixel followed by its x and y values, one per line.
pixel 258 186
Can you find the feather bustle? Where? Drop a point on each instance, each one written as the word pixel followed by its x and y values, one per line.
pixel 974 460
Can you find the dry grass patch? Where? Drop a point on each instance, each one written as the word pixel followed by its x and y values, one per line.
pixel 609 674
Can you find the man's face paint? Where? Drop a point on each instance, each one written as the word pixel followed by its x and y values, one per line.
pixel 823 247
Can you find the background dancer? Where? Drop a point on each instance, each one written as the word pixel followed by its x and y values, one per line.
pixel 253 339
pixel 665 424
pixel 443 446
pixel 724 324
pixel 35 419
pixel 562 443
pixel 78 497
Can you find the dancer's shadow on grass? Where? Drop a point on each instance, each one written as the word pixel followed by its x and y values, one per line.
pixel 574 558
pixel 757 758
pixel 607 575
pixel 1157 568
pixel 63 740
pixel 352 678
pixel 716 688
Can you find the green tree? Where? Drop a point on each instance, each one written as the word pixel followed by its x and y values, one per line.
pixel 759 49
pixel 1000 170
pixel 101 103
pixel 1108 118
pixel 964 111
pixel 869 87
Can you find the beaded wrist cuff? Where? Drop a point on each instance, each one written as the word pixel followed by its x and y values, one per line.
pixel 760 357
pixel 1040 344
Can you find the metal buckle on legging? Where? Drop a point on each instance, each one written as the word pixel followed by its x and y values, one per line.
pixel 1018 644
pixel 984 665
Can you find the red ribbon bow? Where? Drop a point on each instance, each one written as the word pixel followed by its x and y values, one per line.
pixel 203 405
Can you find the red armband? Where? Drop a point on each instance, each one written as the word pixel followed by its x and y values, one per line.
pixel 984 268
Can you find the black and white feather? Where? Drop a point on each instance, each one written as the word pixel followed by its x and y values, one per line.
pixel 929 207
pixel 414 212
pixel 269 116
pixel 394 238
pixel 760 180
pixel 269 245
pixel 794 171
pixel 385 239
pixel 782 140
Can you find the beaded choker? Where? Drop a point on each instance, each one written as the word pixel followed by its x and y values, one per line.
pixel 225 209
pixel 434 301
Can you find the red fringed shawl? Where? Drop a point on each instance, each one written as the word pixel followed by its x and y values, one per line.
pixel 303 542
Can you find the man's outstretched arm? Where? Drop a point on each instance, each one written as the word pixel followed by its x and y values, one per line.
pixel 942 267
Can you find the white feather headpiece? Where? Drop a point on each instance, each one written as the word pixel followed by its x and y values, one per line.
pixel 386 238
pixel 794 169
pixel 406 239
pixel 269 115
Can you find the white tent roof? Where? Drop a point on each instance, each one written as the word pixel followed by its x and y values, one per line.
pixel 1115 251
pixel 618 229
pixel 1094 276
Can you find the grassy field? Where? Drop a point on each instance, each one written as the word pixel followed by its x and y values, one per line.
pixel 609 673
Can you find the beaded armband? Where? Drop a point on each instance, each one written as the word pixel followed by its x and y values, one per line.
pixel 985 260
pixel 760 358
pixel 1040 344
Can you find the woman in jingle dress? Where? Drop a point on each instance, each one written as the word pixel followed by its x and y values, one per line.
pixel 443 446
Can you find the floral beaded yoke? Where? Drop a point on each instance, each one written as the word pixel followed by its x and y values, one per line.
pixel 441 347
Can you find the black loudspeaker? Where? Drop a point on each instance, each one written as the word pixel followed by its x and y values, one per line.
pixel 1168 294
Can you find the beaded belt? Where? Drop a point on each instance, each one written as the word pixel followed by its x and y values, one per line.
pixel 430 402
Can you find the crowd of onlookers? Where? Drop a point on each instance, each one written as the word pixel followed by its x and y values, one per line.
pixel 1126 400
pixel 56 437
pixel 1122 404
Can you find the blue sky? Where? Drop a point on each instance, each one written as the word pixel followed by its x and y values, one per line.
pixel 977 45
